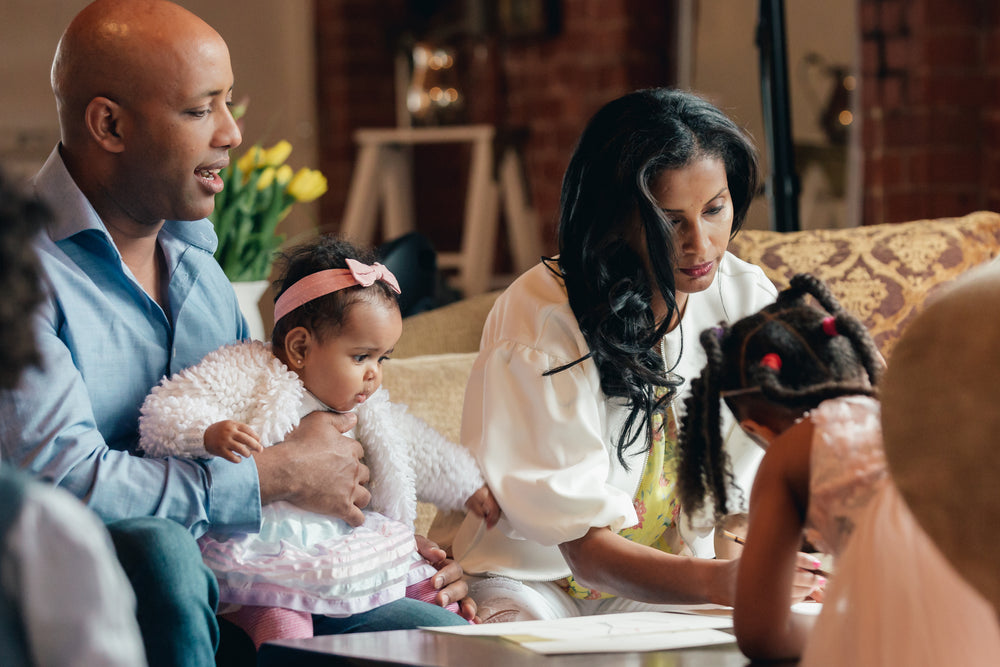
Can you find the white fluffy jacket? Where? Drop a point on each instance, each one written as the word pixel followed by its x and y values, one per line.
pixel 245 382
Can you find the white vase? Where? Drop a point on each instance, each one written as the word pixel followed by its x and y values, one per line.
pixel 249 294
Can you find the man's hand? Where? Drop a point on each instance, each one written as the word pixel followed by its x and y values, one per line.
pixel 231 440
pixel 317 468
pixel 448 581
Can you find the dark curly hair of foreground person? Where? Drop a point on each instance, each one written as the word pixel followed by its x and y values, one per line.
pixel 21 217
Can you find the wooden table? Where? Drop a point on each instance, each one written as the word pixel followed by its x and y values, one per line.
pixel 419 647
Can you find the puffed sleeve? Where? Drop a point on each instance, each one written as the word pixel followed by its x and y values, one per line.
pixel 541 444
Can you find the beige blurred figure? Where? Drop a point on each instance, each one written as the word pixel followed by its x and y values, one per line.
pixel 942 424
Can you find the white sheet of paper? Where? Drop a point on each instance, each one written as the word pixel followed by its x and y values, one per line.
pixel 607 633
pixel 807 608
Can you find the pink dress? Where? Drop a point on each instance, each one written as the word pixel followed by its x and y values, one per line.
pixel 894 600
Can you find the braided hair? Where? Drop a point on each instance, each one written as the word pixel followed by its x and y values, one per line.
pixel 326 314
pixel 607 202
pixel 776 364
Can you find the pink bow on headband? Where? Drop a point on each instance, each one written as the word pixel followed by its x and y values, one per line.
pixel 367 275
pixel 326 282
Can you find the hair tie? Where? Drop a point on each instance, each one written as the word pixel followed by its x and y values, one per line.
pixel 326 282
pixel 772 361
pixel 830 326
pixel 718 331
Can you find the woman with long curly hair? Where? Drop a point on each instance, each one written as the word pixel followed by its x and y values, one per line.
pixel 570 408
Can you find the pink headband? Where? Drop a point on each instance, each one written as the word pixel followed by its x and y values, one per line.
pixel 326 282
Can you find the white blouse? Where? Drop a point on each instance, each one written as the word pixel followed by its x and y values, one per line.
pixel 547 445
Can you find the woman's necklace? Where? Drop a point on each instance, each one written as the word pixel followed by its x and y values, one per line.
pixel 667 366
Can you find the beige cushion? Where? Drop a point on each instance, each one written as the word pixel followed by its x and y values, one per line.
pixel 433 388
pixel 456 327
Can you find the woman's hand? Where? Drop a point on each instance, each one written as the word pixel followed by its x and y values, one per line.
pixel 448 581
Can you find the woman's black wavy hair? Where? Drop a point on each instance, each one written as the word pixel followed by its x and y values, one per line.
pixel 606 200
pixel 324 315
pixel 821 354
pixel 21 218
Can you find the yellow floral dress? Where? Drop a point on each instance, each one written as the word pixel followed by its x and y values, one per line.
pixel 656 499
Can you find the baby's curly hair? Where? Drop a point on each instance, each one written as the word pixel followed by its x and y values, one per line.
pixel 776 364
pixel 325 315
pixel 21 217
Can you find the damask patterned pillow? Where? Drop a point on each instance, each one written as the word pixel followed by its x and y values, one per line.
pixel 881 273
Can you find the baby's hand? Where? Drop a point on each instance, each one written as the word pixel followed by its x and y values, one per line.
pixel 484 505
pixel 231 440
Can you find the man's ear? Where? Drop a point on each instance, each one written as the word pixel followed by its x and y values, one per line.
pixel 103 118
pixel 297 343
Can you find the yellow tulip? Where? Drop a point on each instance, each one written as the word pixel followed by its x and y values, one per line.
pixel 246 218
pixel 276 154
pixel 284 174
pixel 266 178
pixel 249 161
pixel 307 185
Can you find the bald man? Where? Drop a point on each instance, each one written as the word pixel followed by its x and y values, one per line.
pixel 143 89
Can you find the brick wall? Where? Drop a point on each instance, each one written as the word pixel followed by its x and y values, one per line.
pixel 929 105
pixel 930 108
pixel 354 87
pixel 605 49
pixel 548 85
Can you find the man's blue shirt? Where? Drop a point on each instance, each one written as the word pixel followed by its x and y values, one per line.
pixel 105 343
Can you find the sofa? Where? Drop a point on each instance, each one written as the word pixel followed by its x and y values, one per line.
pixel 881 273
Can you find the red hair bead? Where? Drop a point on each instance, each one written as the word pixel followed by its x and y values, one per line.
pixel 772 361
pixel 830 326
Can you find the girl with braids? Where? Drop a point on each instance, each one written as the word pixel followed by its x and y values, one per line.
pixel 802 381
pixel 569 407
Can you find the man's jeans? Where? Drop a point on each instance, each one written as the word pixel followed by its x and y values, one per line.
pixel 403 614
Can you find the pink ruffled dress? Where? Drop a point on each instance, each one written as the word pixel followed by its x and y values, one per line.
pixel 894 599
pixel 313 563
